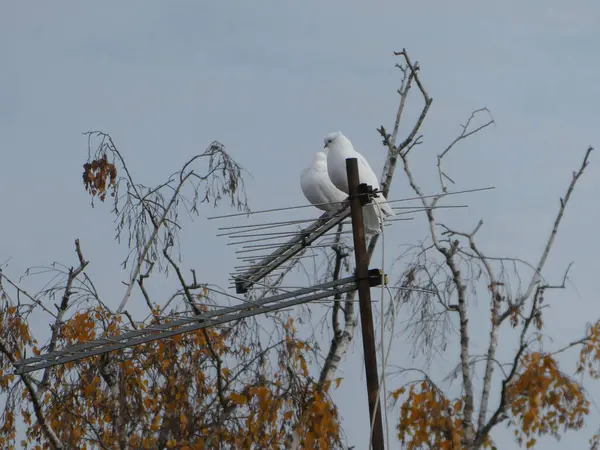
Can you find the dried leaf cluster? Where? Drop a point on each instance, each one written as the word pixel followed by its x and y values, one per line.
pixel 98 176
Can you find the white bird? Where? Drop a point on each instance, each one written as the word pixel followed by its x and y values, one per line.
pixel 339 148
pixel 318 188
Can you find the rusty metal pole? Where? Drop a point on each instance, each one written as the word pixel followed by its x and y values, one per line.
pixel 364 297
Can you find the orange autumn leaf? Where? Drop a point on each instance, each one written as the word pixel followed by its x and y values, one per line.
pixel 238 399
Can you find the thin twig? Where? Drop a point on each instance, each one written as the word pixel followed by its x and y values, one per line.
pixel 463 135
pixel 500 412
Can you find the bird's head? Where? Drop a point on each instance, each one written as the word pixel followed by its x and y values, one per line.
pixel 331 138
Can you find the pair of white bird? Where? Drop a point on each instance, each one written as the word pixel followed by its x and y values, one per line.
pixel 325 182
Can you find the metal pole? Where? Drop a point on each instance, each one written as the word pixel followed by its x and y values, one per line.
pixel 364 296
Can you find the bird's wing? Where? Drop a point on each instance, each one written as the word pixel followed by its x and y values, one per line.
pixel 365 172
pixel 307 184
pixel 329 192
pixel 318 189
pixel 336 170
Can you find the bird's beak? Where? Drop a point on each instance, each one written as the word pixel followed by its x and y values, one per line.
pixel 325 146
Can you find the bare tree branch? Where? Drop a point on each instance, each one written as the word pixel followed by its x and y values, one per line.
pixel 449 253
pixel 536 277
pixel 465 134
pixel 36 399
pixel 64 305
pixel 151 214
pixel 500 412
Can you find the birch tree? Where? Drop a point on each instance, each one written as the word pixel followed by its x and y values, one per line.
pixel 437 291
pixel 242 386
pixel 230 386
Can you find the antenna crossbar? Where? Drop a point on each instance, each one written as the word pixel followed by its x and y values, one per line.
pixel 188 324
pixel 287 250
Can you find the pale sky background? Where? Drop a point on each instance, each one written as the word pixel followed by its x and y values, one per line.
pixel 269 80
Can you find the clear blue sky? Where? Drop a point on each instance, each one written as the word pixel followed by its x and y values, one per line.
pixel 269 80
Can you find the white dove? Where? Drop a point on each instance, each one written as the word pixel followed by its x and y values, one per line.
pixel 339 148
pixel 318 188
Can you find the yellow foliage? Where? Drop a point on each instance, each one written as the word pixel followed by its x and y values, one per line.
pixel 429 420
pixel 175 385
pixel 238 399
pixel 542 399
pixel 76 433
pixel 589 357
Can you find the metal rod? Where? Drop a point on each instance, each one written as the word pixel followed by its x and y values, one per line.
pixel 223 310
pixel 233 234
pixel 304 239
pixel 435 207
pixel 399 219
pixel 276 235
pixel 416 210
pixel 465 191
pixel 184 325
pixel 364 295
pixel 273 233
pixel 270 238
pixel 258 258
pixel 292 247
pixel 330 244
pixel 278 244
pixel 236 234
pixel 287 208
pixel 198 324
pixel 267 224
pixel 242 269
pixel 222 292
pixel 247 259
pixel 247 266
pixel 262 239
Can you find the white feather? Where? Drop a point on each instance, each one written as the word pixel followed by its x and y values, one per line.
pixel 318 188
pixel 339 148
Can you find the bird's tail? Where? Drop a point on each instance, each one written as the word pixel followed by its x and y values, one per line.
pixel 375 214
pixel 384 206
pixel 371 219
